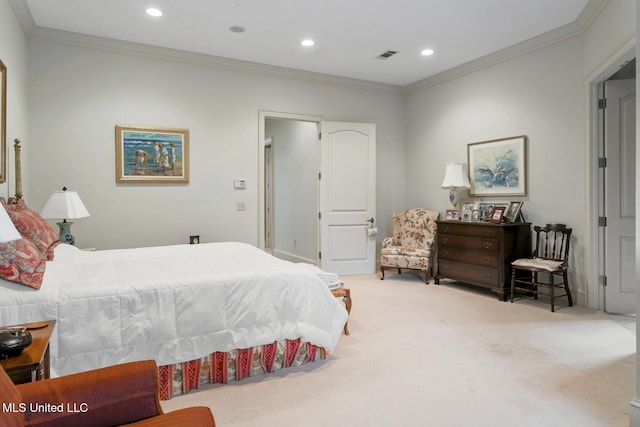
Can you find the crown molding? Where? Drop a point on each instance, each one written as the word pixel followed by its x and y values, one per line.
pixel 33 32
pixel 23 14
pixel 579 26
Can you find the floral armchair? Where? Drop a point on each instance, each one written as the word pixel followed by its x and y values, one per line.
pixel 412 245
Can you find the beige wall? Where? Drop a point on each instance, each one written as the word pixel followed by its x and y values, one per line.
pixel 79 94
pixel 13 53
pixel 542 94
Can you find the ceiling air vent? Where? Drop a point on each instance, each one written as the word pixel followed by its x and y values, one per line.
pixel 386 55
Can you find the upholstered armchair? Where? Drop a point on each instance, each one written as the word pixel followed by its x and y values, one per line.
pixel 116 395
pixel 412 245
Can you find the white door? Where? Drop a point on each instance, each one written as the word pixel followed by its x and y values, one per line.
pixel 620 143
pixel 347 197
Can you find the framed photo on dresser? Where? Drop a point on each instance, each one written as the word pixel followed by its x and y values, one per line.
pixel 453 215
pixel 513 211
pixel 497 213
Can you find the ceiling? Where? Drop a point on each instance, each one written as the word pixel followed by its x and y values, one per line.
pixel 348 34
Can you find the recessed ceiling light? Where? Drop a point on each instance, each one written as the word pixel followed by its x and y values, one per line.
pixel 152 11
pixel 427 52
pixel 307 42
pixel 236 29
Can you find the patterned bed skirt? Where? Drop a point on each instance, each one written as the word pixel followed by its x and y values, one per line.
pixel 221 367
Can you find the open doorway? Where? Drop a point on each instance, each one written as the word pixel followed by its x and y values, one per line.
pixel 288 205
pixel 291 182
pixel 339 208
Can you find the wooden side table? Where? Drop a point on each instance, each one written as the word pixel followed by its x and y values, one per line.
pixel 345 294
pixel 33 363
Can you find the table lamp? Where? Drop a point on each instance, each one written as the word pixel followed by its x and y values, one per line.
pixel 455 178
pixel 8 231
pixel 66 205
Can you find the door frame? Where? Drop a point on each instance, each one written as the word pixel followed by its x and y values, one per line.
pixel 594 241
pixel 263 115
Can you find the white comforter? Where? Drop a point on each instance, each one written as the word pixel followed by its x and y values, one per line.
pixel 171 304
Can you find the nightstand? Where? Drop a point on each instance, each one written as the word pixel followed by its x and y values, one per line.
pixel 33 363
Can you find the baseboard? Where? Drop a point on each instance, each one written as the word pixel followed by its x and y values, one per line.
pixel 287 256
pixel 634 413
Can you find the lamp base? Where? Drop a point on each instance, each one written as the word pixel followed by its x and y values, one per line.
pixel 454 198
pixel 65 233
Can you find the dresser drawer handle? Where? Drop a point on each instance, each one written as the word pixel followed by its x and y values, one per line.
pixel 488 232
pixel 445 229
pixel 445 240
pixel 488 260
pixel 445 253
pixel 488 245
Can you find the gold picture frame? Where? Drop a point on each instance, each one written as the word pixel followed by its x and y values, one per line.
pixel 152 155
pixel 3 122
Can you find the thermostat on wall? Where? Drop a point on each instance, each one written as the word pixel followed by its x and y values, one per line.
pixel 239 184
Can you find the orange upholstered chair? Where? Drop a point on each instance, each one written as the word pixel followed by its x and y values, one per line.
pixel 112 396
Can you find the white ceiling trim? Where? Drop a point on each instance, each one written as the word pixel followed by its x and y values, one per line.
pixel 591 11
pixel 588 15
pixel 82 40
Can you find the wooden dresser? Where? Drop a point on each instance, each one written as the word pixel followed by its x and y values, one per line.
pixel 480 253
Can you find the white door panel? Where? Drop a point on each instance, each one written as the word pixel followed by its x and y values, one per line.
pixel 620 143
pixel 347 197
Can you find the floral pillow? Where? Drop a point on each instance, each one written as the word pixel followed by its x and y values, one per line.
pixel 34 228
pixel 21 261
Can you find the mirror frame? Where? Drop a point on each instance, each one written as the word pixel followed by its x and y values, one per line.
pixel 3 123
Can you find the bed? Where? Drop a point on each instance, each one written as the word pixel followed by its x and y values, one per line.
pixel 205 312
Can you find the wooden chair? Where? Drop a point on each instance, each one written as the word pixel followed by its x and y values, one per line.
pixel 549 259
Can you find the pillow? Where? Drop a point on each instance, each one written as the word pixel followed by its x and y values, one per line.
pixel 21 261
pixel 34 228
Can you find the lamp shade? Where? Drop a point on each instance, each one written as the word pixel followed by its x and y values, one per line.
pixel 8 231
pixel 455 176
pixel 64 204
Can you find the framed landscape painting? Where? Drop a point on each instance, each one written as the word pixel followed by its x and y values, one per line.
pixel 152 155
pixel 498 167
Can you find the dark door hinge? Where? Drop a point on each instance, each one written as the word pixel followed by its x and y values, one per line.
pixel 602 221
pixel 602 162
pixel 602 103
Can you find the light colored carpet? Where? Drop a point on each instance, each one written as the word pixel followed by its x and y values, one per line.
pixel 447 355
